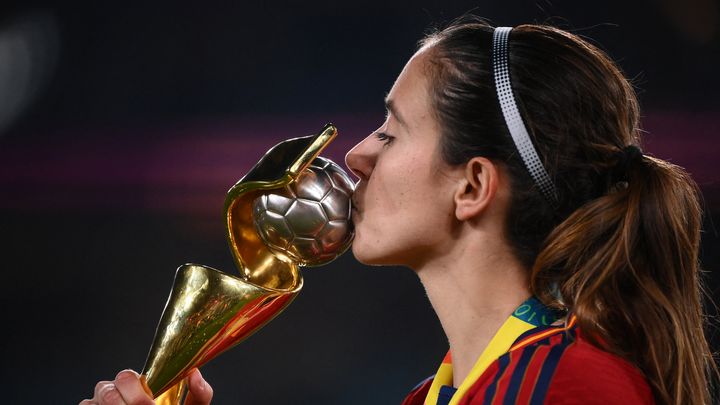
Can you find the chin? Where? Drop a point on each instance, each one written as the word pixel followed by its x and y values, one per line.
pixel 371 256
pixel 363 253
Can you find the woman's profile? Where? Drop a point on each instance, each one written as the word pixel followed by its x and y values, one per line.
pixel 561 260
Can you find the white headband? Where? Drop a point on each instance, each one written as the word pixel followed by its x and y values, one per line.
pixel 513 120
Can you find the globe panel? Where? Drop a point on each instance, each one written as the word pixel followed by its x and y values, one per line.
pixel 305 248
pixel 306 218
pixel 321 163
pixel 312 185
pixel 277 203
pixel 334 236
pixel 274 228
pixel 341 181
pixel 336 205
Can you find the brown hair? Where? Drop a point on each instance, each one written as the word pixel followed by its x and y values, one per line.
pixel 621 248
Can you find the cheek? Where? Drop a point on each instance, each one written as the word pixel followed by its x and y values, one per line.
pixel 387 208
pixel 407 204
pixel 406 208
pixel 398 183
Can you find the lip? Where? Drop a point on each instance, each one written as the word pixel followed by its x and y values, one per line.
pixel 355 214
pixel 354 203
pixel 356 208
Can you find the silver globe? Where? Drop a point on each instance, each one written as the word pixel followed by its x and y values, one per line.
pixel 309 220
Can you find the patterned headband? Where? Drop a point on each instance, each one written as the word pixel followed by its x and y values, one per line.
pixel 513 120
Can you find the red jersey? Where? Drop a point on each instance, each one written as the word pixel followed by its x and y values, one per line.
pixel 550 365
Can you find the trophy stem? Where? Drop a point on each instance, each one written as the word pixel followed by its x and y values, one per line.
pixel 207 313
pixel 175 395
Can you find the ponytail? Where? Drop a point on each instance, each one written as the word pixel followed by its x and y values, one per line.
pixel 627 265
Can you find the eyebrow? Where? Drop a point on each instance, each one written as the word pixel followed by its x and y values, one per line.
pixel 390 106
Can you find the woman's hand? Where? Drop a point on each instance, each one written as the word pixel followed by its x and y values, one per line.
pixel 127 389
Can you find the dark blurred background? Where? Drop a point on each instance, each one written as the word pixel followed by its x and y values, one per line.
pixel 123 124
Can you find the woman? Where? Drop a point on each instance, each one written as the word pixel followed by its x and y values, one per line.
pixel 561 260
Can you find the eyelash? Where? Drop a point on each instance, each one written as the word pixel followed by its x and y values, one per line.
pixel 385 138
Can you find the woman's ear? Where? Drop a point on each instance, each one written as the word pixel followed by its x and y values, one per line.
pixel 477 188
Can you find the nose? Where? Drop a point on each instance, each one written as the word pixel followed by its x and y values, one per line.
pixel 361 158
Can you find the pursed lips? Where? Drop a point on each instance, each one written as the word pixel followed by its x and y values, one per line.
pixel 354 198
pixel 355 207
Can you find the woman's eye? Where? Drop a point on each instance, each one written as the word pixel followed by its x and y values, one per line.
pixel 385 138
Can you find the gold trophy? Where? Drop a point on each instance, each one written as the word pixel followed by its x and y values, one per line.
pixel 292 209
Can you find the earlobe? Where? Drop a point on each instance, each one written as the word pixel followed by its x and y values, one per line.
pixel 477 188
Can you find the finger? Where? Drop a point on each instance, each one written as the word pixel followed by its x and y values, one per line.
pixel 99 387
pixel 88 402
pixel 128 384
pixel 200 392
pixel 109 395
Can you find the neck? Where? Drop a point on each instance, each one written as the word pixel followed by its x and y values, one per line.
pixel 473 291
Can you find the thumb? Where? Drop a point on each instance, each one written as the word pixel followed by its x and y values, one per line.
pixel 200 392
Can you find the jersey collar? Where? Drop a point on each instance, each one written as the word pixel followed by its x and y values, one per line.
pixel 529 315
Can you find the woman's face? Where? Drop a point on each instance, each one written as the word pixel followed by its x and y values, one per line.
pixel 403 205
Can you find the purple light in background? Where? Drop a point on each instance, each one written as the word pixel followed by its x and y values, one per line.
pixel 689 140
pixel 184 169
pixel 187 169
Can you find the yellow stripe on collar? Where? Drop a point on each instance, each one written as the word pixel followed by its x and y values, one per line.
pixel 528 315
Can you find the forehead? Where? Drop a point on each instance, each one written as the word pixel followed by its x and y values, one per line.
pixel 410 94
